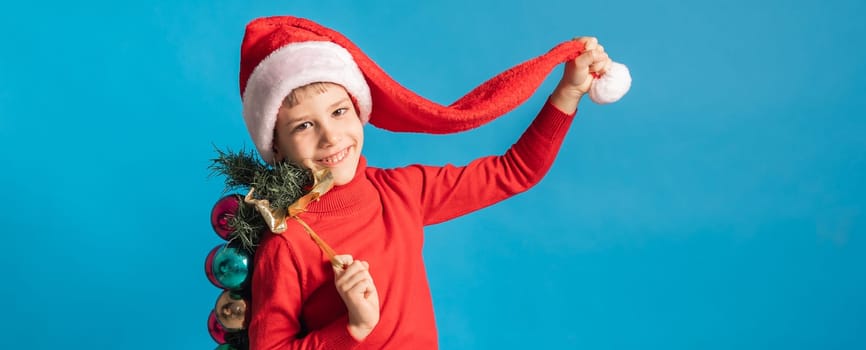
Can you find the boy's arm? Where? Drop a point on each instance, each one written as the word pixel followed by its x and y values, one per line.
pixel 276 305
pixel 449 191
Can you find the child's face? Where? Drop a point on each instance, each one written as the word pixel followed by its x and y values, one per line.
pixel 321 131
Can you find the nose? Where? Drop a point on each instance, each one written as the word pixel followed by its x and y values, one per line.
pixel 328 135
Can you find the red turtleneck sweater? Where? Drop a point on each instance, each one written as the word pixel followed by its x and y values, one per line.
pixel 379 217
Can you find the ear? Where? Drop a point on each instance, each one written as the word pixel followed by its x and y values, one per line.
pixel 355 106
pixel 278 157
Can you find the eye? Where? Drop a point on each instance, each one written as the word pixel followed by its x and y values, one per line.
pixel 340 111
pixel 303 126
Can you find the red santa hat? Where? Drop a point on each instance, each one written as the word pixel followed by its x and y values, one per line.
pixel 279 54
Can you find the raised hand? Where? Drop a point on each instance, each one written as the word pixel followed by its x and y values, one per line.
pixel 578 75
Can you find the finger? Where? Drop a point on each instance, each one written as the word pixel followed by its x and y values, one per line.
pixel 365 289
pixel 599 63
pixel 345 284
pixel 372 287
pixel 370 291
pixel 589 43
pixel 607 65
pixel 352 269
pixel 358 283
pixel 584 60
pixel 345 259
pixel 358 268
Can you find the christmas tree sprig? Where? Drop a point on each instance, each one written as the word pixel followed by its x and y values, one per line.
pixel 281 184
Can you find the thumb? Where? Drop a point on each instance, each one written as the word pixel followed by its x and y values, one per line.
pixel 345 259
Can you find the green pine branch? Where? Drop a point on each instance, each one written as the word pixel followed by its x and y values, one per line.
pixel 281 184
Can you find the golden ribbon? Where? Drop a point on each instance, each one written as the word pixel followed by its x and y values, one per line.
pixel 323 181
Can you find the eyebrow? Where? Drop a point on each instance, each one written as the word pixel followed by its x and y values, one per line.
pixel 290 120
pixel 342 101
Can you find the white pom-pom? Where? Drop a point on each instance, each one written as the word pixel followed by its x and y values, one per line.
pixel 611 86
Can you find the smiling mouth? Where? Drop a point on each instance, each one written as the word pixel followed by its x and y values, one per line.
pixel 335 158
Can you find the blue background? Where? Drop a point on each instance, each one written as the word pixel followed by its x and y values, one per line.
pixel 720 205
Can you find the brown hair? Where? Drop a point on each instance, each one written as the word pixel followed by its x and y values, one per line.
pixel 294 97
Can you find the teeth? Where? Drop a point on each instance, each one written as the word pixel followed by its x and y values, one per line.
pixel 336 158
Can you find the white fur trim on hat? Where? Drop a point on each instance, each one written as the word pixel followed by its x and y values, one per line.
pixel 290 67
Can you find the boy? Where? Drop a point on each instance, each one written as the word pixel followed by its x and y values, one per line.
pixel 307 92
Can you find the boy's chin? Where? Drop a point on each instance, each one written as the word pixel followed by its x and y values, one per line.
pixel 343 176
pixel 340 181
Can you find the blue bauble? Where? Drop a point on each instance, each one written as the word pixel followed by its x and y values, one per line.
pixel 229 267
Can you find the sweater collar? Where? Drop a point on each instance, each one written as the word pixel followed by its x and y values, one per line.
pixel 348 198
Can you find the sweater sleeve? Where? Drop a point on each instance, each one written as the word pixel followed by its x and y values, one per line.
pixel 277 301
pixel 450 191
